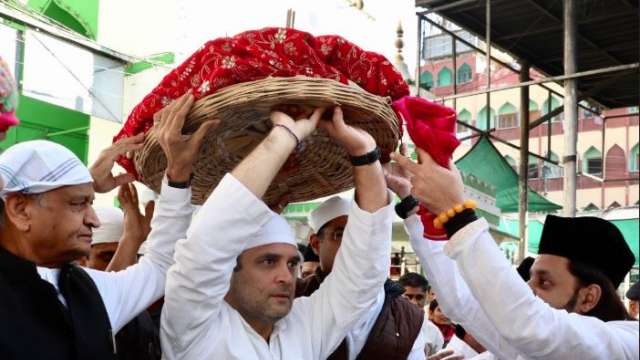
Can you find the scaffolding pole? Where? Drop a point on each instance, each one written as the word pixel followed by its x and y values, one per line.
pixel 571 109
pixel 488 52
pixel 496 60
pixel 455 72
pixel 523 179
pixel 549 125
pixel 418 57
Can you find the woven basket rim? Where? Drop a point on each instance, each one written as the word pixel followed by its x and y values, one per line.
pixel 243 98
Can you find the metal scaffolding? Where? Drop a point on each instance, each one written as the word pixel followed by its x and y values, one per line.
pixel 572 96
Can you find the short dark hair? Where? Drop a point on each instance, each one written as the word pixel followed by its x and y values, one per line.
pixel 433 305
pixel 414 280
pixel 610 306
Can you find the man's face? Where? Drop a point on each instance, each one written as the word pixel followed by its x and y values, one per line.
pixel 430 295
pixel 263 287
pixel 101 255
pixel 552 282
pixel 634 308
pixel 308 268
pixel 60 224
pixel 438 317
pixel 416 295
pixel 328 241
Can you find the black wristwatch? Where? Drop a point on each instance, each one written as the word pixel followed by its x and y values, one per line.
pixel 366 159
pixel 180 184
pixel 405 206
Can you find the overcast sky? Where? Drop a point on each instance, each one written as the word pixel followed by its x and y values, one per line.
pixel 374 29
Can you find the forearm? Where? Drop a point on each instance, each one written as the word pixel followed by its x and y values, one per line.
pixel 198 281
pixel 454 296
pixel 359 272
pixel 126 254
pixel 259 168
pixel 531 326
pixel 126 293
pixel 371 187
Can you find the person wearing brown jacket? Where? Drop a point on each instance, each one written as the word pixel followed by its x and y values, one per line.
pixel 392 327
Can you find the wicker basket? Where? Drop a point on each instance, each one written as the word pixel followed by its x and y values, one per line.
pixel 319 168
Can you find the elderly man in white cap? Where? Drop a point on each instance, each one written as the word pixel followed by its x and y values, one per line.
pixel 392 326
pixel 50 308
pixel 230 294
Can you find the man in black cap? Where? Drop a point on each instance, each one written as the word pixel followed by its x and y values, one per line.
pixel 633 295
pixel 573 311
pixel 581 263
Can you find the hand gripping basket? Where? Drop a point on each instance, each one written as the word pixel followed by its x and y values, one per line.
pixel 319 167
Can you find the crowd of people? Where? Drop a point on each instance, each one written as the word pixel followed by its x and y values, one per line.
pixel 229 281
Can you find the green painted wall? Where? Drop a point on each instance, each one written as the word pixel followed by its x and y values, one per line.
pixel 148 63
pixel 80 16
pixel 39 119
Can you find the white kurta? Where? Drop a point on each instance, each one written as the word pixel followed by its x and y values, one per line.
pixel 504 315
pixel 128 292
pixel 461 348
pixel 433 339
pixel 454 296
pixel 198 324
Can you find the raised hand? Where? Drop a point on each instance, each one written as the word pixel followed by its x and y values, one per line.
pixel 103 179
pixel 446 355
pixel 302 127
pixel 181 150
pixel 356 141
pixel 438 188
pixel 398 178
pixel 136 225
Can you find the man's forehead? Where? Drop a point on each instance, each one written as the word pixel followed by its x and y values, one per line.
pixel 549 263
pixel 413 290
pixel 76 191
pixel 339 221
pixel 280 249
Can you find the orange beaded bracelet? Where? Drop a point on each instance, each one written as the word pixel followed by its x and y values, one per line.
pixel 445 216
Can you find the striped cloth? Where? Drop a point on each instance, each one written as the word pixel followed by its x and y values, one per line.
pixel 39 166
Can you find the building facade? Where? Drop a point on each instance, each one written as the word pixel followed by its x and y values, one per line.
pixel 607 148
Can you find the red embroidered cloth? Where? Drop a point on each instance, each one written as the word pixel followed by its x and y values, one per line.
pixel 432 128
pixel 257 54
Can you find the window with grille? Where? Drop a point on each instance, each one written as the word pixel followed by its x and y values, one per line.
pixel 634 159
pixel 594 166
pixel 592 163
pixel 464 74
pixel 464 116
pixel 506 121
